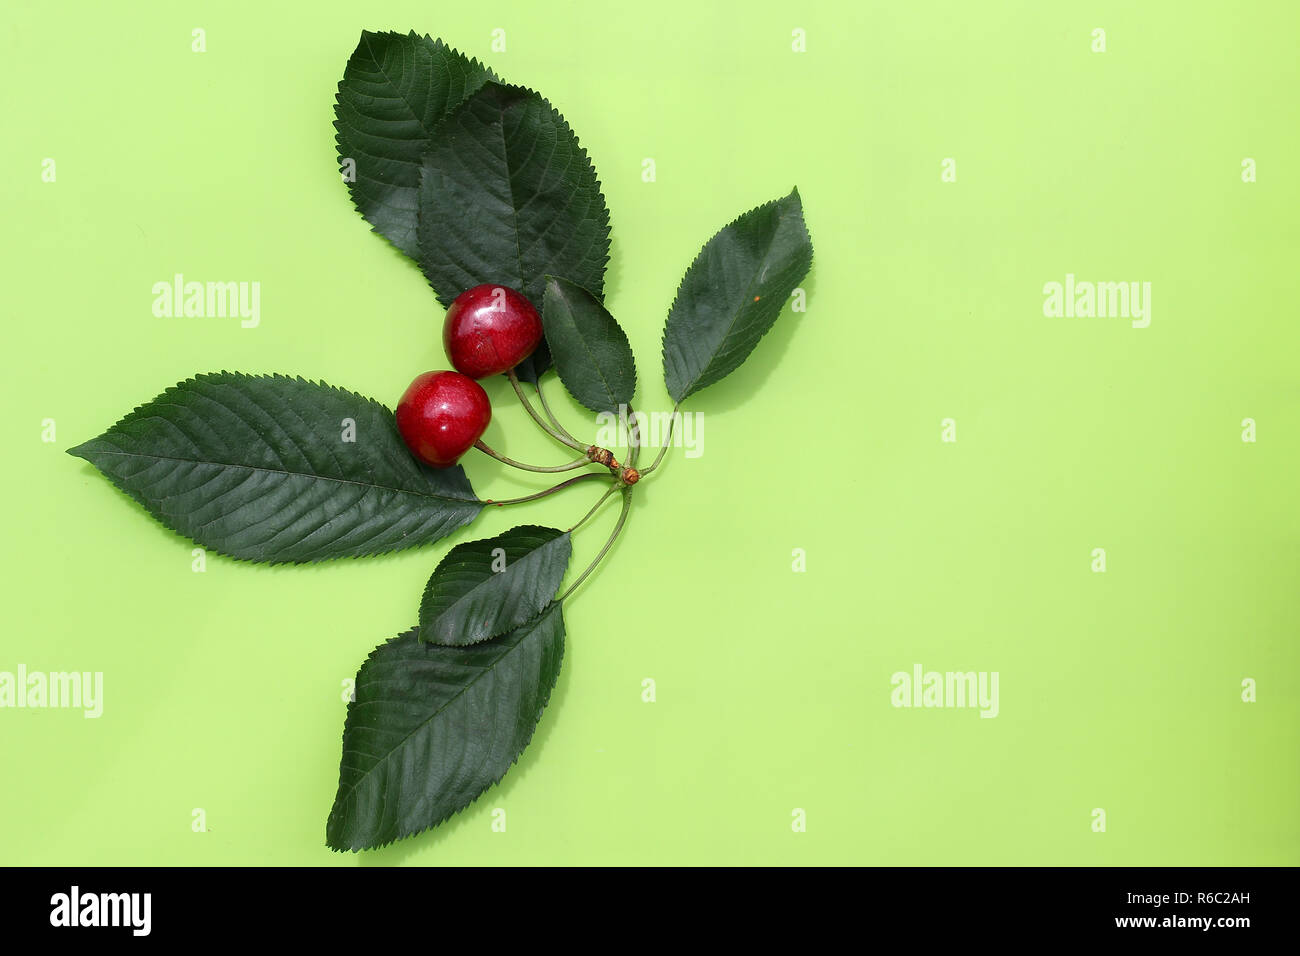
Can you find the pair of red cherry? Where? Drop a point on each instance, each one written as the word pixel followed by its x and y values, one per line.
pixel 489 330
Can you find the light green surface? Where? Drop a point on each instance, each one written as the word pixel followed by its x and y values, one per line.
pixel 1119 691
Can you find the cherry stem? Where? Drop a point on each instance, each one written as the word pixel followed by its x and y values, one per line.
pixel 594 508
pixel 567 466
pixel 523 399
pixel 541 396
pixel 549 491
pixel 633 438
pixel 668 443
pixel 622 519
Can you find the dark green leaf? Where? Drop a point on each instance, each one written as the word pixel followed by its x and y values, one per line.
pixel 732 294
pixel 508 196
pixel 432 727
pixel 590 350
pixel 485 588
pixel 395 90
pixel 261 467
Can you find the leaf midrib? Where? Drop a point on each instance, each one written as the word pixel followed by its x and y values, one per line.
pixel 494 576
pixel 419 120
pixel 451 700
pixel 282 471
pixel 735 317
pixel 600 372
pixel 510 185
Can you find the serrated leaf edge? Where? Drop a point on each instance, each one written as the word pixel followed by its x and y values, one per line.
pixel 528 741
pixel 623 332
pixel 202 376
pixel 663 341
pixel 438 44
pixel 419 628
pixel 582 152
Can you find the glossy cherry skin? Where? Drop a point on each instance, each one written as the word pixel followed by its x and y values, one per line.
pixel 490 329
pixel 442 415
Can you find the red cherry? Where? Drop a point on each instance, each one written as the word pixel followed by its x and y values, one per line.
pixel 490 329
pixel 442 415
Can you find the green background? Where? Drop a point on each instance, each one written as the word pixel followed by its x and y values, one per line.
pixel 1119 691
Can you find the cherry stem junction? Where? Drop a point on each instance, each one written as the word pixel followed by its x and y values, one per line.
pixel 626 475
